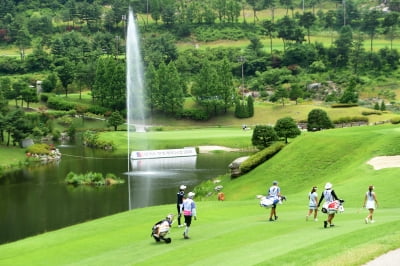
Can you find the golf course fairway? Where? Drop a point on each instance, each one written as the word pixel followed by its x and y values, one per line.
pixel 237 231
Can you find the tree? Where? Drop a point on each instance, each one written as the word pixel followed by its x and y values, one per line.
pixel 115 120
pixel 307 21
pixel 269 29
pixel 152 87
pixel 66 73
pixel 225 88
pixel 383 106
pixel 389 24
pixel 318 119
pixel 23 40
pixel 289 30
pixel 250 106
pixel 295 93
pixel 17 126
pixel 280 94
pixel 370 23
pixel 287 128
pixel 343 46
pixel 263 136
pixel 350 95
pixel 29 95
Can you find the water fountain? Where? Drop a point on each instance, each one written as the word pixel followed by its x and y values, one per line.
pixel 145 166
pixel 135 97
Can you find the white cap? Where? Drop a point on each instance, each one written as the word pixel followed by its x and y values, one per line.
pixel 328 186
pixel 275 183
pixel 182 187
pixel 191 195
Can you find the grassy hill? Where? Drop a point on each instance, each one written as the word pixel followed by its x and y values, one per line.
pixel 236 231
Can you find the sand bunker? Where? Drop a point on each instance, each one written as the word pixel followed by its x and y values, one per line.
pixel 385 162
pixel 205 149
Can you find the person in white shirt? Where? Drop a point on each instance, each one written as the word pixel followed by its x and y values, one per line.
pixel 312 203
pixel 370 202
pixel 189 211
pixel 329 195
pixel 274 193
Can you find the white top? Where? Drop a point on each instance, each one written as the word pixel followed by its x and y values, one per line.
pixel 274 192
pixel 313 199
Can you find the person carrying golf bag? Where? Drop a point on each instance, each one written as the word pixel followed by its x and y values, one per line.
pixel 330 199
pixel 160 230
pixel 189 211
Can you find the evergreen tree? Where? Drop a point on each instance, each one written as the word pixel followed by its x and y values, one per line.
pixel 318 119
pixel 287 128
pixel 263 136
pixel 383 106
pixel 250 106
pixel 115 120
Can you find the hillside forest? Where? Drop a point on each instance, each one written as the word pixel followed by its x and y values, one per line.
pixel 202 58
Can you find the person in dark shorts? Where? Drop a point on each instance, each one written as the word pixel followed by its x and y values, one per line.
pixel 180 196
pixel 189 211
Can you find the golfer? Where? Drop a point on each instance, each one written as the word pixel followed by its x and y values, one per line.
pixel 179 200
pixel 189 211
pixel 273 194
pixel 312 203
pixel 370 202
pixel 329 195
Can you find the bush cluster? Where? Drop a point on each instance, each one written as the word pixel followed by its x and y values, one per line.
pixel 260 157
pixel 343 105
pixel 39 148
pixel 91 139
pixel 194 114
pixel 92 178
pixel 395 120
pixel 374 112
pixel 348 119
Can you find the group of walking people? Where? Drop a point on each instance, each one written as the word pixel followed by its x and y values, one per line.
pixel 370 203
pixel 186 206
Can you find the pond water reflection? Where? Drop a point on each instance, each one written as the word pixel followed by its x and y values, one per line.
pixel 36 199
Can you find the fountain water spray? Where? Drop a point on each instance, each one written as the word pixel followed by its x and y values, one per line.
pixel 134 86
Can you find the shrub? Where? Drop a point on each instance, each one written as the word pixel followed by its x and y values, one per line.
pixel 195 114
pixel 342 120
pixel 343 105
pixel 372 112
pixel 59 104
pixel 92 178
pixel 40 148
pixel 260 157
pixel 395 120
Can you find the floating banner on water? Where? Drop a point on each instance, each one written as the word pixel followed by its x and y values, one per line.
pixel 167 153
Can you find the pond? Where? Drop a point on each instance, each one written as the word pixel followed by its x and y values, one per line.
pixel 36 199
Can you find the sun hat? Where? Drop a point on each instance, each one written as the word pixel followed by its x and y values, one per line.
pixel 182 187
pixel 191 195
pixel 328 186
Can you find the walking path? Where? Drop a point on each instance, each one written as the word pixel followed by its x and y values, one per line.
pixel 392 258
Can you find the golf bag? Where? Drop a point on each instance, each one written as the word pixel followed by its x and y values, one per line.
pixel 269 202
pixel 333 207
pixel 160 230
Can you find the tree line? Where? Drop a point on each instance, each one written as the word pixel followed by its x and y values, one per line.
pixel 79 45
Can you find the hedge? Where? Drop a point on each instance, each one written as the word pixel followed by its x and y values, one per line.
pixel 260 157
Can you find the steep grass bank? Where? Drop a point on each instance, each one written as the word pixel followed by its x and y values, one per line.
pixel 236 231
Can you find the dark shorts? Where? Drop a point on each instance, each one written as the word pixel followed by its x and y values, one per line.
pixel 188 220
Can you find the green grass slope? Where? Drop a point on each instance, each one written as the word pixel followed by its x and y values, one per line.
pixel 236 231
